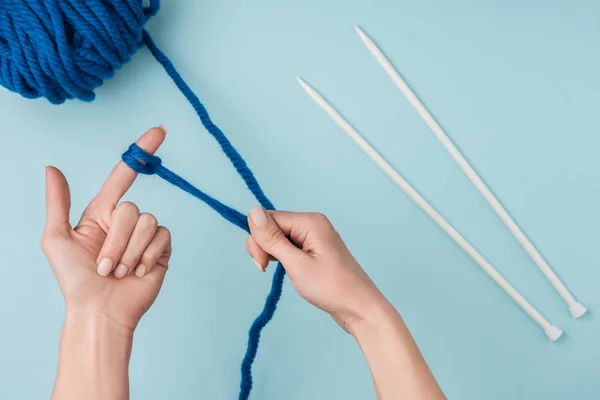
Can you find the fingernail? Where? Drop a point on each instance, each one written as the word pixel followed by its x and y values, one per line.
pixel 120 271
pixel 140 271
pixel 104 267
pixel 164 128
pixel 258 216
pixel 258 265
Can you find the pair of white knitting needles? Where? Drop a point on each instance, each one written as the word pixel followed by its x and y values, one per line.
pixel 576 309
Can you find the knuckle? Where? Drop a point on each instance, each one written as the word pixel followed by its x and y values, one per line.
pixel 47 243
pixel 51 241
pixel 127 262
pixel 129 259
pixel 150 257
pixel 128 207
pixel 273 236
pixel 146 260
pixel 164 231
pixel 321 220
pixel 323 226
pixel 148 221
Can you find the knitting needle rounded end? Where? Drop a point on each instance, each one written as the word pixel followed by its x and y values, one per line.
pixel 577 310
pixel 553 333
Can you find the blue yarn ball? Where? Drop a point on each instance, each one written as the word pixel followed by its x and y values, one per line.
pixel 64 49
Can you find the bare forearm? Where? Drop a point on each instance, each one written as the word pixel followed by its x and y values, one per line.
pixel 93 360
pixel 397 366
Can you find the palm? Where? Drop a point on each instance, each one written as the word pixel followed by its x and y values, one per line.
pixel 82 286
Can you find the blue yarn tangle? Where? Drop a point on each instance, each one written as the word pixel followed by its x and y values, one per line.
pixel 65 49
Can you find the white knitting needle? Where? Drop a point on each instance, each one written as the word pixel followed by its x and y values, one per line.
pixel 576 308
pixel 552 332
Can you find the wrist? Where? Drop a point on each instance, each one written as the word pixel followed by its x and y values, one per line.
pixel 374 315
pixel 94 357
pixel 396 364
pixel 96 324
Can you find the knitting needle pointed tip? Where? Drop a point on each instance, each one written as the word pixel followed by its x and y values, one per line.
pixel 301 82
pixel 312 92
pixel 335 115
pixel 369 43
pixel 360 32
pixel 305 85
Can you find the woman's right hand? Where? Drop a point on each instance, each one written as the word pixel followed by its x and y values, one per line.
pixel 324 272
pixel 317 261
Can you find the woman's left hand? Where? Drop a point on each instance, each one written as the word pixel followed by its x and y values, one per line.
pixel 113 263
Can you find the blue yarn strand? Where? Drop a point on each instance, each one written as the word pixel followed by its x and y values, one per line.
pixel 233 155
pixel 148 164
pixel 144 163
pixel 248 176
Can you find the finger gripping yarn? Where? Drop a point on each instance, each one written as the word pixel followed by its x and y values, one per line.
pixel 64 49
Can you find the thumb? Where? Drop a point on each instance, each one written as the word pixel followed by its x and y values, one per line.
pixel 58 202
pixel 269 237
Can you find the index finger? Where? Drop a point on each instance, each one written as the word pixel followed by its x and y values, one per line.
pixel 122 177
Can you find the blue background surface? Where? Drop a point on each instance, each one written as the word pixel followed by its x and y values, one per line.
pixel 515 83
